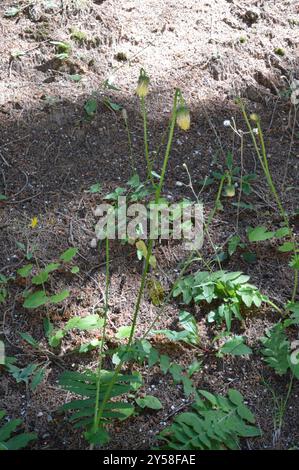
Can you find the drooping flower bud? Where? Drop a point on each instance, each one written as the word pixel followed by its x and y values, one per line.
pixel 183 117
pixel 254 117
pixel 143 83
pixel 230 190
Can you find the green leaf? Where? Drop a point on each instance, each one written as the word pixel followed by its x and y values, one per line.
pixel 25 270
pixel 233 244
pixel 282 232
pixel 42 277
pixel 111 105
pixel 123 332
pixel 294 263
pixel 29 339
pixel 10 442
pixel 149 401
pixel 12 12
pixel 249 257
pixel 21 375
pixel 36 299
pixel 259 233
pixel 55 339
pixel 286 247
pixel 276 348
pixel 75 77
pixel 69 254
pixel 235 397
pixel 55 299
pixel 37 378
pixel 85 323
pixel 75 269
pixel 235 347
pixel 95 188
pixel 177 372
pixel 188 386
pixel 196 366
pixel 164 363
pixel 213 423
pixel 90 107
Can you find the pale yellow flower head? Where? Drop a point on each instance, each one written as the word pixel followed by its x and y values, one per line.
pixel 143 83
pixel 183 118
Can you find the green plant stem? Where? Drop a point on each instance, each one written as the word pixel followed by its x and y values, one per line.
pixel 189 260
pixel 295 290
pixel 147 263
pixel 145 136
pixel 264 162
pixel 101 351
pixel 132 160
pixel 272 304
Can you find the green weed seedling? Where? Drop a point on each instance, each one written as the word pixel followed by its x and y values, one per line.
pixel 230 290
pixel 36 294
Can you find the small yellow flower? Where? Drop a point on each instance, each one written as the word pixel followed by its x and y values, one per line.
pixel 34 222
pixel 183 118
pixel 143 83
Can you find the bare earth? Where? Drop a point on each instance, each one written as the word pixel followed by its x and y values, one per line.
pixel 50 154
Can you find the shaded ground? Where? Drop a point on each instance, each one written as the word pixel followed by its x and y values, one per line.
pixel 50 154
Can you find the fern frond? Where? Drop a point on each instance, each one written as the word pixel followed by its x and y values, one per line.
pixel 84 384
pixel 16 442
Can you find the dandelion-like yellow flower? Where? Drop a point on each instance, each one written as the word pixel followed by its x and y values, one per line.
pixel 183 118
pixel 143 83
pixel 33 222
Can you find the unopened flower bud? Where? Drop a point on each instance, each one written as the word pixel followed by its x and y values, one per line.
pixel 230 190
pixel 183 118
pixel 254 117
pixel 124 114
pixel 143 82
pixel 93 243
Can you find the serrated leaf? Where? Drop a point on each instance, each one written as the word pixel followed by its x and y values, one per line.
pixel 55 299
pixel 259 233
pixel 24 271
pixel 235 347
pixel 123 332
pixel 29 339
pixel 68 254
pixel 149 401
pixel 286 247
pixel 36 299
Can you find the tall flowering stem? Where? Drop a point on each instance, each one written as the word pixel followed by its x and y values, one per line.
pixel 147 261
